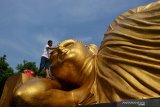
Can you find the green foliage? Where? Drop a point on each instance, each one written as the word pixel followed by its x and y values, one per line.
pixel 26 65
pixel 42 74
pixel 30 66
pixel 5 71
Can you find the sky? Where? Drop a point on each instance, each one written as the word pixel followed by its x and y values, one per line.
pixel 27 25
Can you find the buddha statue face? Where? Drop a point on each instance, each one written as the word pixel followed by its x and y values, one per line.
pixel 68 59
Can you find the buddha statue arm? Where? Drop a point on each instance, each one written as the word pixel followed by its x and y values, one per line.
pixel 54 98
pixel 43 92
pixel 39 92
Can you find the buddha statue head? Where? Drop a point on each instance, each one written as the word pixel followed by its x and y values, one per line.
pixel 68 61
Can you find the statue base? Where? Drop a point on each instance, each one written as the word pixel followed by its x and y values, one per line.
pixel 153 102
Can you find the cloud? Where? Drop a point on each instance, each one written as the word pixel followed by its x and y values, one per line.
pixel 42 39
pixel 12 45
pixel 26 25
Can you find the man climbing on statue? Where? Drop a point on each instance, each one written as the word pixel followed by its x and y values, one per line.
pixel 45 64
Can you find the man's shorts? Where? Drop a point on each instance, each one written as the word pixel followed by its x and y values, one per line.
pixel 44 63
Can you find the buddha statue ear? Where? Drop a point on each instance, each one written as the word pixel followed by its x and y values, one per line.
pixel 93 48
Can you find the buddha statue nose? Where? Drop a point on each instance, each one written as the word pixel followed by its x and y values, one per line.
pixel 59 50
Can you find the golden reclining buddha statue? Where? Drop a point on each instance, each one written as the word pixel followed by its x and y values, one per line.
pixel 125 66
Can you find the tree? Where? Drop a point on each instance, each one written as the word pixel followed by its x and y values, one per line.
pixel 26 65
pixel 29 65
pixel 5 71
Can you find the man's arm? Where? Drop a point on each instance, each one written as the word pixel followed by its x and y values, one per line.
pixel 52 48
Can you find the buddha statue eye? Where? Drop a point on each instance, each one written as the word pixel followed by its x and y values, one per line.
pixel 68 44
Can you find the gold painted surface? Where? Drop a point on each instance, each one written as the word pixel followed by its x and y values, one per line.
pixel 126 66
pixel 12 84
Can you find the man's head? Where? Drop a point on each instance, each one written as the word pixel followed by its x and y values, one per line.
pixel 50 42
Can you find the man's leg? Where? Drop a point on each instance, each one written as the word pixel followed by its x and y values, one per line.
pixel 47 69
pixel 47 74
pixel 42 65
